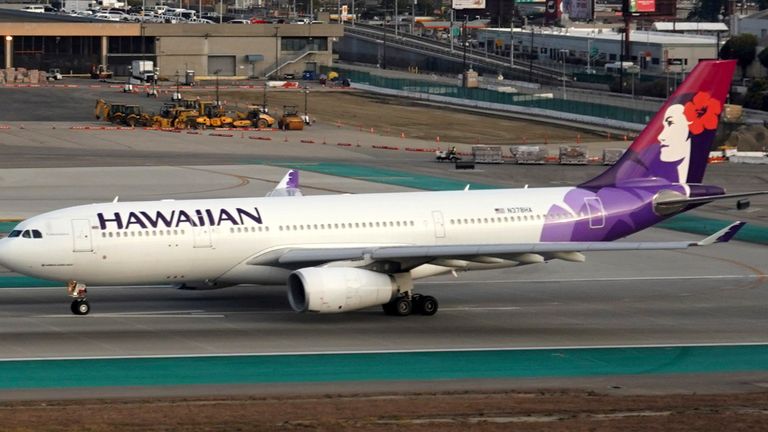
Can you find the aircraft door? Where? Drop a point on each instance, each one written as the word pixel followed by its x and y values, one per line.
pixel 81 235
pixel 596 212
pixel 437 218
pixel 202 236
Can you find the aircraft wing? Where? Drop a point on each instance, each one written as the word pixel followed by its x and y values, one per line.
pixel 527 253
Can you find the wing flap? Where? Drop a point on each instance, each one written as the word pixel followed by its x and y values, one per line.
pixel 571 251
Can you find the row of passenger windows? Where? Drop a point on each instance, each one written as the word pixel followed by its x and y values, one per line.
pixel 343 225
pixel 519 218
pixel 153 233
pixel 26 234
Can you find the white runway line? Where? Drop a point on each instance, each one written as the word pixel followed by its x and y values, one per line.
pixel 605 279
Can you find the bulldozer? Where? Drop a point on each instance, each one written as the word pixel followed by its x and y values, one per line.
pixel 291 120
pixel 255 116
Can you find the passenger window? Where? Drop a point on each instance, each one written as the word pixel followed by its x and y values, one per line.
pixel 14 233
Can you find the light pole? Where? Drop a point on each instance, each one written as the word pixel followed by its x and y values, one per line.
pixel 277 49
pixel 563 52
pixel 306 102
pixel 216 73
pixel 512 43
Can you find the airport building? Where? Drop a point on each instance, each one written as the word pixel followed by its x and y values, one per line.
pixel 75 45
pixel 651 51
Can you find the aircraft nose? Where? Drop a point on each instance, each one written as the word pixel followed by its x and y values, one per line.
pixel 6 257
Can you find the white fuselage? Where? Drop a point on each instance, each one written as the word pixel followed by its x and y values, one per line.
pixel 211 241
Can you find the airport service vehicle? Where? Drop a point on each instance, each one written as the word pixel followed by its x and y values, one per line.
pixel 341 253
pixel 142 72
pixel 54 74
pixel 447 155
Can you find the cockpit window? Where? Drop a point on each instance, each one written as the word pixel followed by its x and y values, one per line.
pixel 36 234
pixel 26 234
pixel 14 233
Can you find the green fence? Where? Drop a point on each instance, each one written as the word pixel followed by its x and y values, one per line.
pixel 591 109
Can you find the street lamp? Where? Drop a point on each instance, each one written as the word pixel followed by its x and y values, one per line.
pixel 563 52
pixel 216 73
pixel 306 104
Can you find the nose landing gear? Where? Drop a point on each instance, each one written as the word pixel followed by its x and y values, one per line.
pixel 78 292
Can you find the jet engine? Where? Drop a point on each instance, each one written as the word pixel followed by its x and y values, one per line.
pixel 342 289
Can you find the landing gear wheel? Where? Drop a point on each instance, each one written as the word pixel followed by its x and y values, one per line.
pixel 80 307
pixel 403 306
pixel 428 305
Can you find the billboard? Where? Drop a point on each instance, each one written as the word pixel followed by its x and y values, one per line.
pixel 468 4
pixel 642 6
pixel 579 9
pixel 551 11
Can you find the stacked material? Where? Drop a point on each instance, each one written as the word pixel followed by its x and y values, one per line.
pixel 22 76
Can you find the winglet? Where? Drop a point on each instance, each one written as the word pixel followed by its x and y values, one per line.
pixel 288 186
pixel 724 235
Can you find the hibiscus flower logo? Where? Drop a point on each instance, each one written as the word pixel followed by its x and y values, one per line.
pixel 702 113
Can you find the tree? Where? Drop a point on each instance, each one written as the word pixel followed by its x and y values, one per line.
pixel 707 10
pixel 741 48
pixel 763 57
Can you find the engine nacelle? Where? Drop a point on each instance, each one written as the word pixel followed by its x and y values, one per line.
pixel 342 289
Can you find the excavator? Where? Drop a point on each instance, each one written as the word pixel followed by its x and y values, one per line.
pixel 255 116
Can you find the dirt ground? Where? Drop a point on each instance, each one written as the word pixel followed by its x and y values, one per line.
pixel 505 411
pixel 393 116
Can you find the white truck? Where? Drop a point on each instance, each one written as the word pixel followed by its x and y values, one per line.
pixel 142 72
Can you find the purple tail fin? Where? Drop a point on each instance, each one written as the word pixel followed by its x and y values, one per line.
pixel 675 145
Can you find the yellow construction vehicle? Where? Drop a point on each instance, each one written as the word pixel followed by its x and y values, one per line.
pixel 114 113
pixel 291 120
pixel 211 115
pixel 254 117
pixel 109 112
pixel 133 116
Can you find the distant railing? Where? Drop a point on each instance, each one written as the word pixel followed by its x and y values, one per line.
pixel 546 101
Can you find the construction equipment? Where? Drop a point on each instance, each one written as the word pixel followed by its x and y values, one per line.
pixel 212 115
pixel 133 116
pixel 101 72
pixel 114 113
pixel 291 120
pixel 255 116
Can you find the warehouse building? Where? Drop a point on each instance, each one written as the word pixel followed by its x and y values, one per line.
pixel 44 41
pixel 651 51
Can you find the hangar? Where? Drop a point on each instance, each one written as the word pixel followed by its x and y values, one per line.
pixel 74 45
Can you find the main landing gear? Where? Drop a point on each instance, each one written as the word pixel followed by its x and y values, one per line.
pixel 404 305
pixel 78 292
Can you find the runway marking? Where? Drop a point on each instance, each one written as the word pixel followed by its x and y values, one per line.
pixel 479 308
pixel 605 279
pixel 149 314
pixel 405 351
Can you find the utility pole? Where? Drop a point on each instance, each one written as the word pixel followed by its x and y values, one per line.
pixel 530 60
pixel 512 42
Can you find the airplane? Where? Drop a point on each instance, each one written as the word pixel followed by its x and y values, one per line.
pixel 344 253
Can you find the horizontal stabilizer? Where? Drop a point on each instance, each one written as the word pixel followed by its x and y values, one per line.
pixel 676 202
